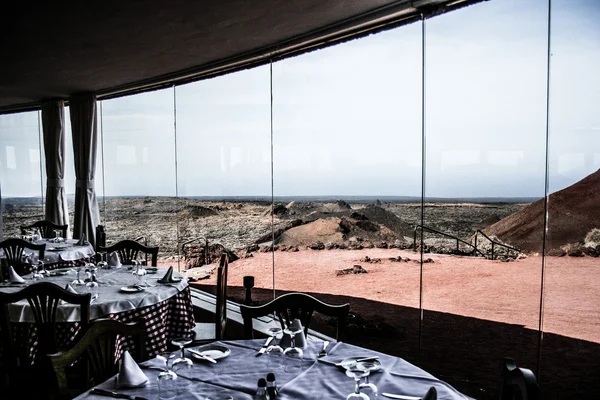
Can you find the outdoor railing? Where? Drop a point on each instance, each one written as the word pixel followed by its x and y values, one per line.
pixel 494 244
pixel 458 240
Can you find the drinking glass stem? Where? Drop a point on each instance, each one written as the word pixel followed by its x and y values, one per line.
pixel 356 385
pixel 182 355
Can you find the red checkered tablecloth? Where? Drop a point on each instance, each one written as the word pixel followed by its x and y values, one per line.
pixel 164 321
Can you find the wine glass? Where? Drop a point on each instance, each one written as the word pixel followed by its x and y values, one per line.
pixel 274 351
pixel 356 372
pixel 293 355
pixel 78 281
pixel 103 263
pixel 57 235
pixel 182 365
pixel 36 268
pixel 167 379
pixel 369 366
pixel 91 283
pixel 139 272
pixel 41 267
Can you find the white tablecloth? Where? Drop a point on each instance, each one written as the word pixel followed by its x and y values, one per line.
pixel 237 375
pixel 57 252
pixel 111 299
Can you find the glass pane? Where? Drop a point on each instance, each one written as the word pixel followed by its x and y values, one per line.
pixel 347 183
pixel 139 171
pixel 572 287
pixel 20 171
pixel 485 174
pixel 224 175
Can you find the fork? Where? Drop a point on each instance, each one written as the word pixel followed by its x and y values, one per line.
pixel 323 353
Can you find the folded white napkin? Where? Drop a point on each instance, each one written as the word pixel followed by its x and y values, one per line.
pixel 13 277
pixel 168 278
pixel 113 259
pixel 300 340
pixel 130 374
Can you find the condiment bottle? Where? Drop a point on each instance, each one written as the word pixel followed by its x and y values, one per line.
pixel 272 390
pixel 261 391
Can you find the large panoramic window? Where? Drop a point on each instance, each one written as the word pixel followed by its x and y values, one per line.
pixel 20 171
pixel 485 135
pixel 347 182
pixel 571 285
pixel 138 150
pixel 224 175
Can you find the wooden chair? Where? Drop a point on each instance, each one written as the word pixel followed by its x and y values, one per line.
pixel 128 251
pixel 291 306
pixel 208 331
pixel 518 383
pixel 44 299
pixel 13 251
pixel 97 347
pixel 431 394
pixel 46 229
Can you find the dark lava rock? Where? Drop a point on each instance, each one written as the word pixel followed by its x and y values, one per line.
pixel 381 245
pixel 575 252
pixel 357 216
pixel 558 252
pixel 195 255
pixel 356 269
pixel 367 226
pixel 318 245
pixel 280 209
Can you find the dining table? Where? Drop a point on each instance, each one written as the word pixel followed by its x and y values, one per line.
pixel 64 253
pixel 238 369
pixel 166 309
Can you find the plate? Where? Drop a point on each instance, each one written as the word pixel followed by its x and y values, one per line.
pixel 374 365
pixel 151 270
pixel 57 273
pixel 214 351
pixel 132 289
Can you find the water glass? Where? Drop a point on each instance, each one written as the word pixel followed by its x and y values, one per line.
pixel 275 356
pixel 293 355
pixel 167 380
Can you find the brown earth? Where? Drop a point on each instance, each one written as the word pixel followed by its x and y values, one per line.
pixel 476 311
pixel 572 213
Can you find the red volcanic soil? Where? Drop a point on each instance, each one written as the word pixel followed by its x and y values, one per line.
pixel 476 311
pixel 572 213
pixel 507 292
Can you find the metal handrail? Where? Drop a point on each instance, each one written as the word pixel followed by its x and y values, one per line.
pixel 458 240
pixel 494 243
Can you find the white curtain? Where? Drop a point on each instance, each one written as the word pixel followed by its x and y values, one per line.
pixel 53 122
pixel 85 139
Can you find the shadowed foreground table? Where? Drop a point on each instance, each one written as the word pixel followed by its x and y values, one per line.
pixel 319 378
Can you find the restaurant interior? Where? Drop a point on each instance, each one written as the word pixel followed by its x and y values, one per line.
pixel 351 199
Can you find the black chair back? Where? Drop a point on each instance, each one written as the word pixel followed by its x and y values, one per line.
pixel 129 250
pixel 291 306
pixel 98 346
pixel 518 383
pixel 13 252
pixel 46 229
pixel 44 299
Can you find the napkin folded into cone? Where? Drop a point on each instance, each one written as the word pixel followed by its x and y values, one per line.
pixel 13 277
pixel 169 278
pixel 82 240
pixel 299 338
pixel 130 374
pixel 113 259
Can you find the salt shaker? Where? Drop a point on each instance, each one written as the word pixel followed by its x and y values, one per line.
pixel 272 390
pixel 261 392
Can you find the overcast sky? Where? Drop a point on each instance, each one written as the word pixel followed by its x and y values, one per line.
pixel 347 119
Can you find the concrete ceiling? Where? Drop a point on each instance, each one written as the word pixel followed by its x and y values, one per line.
pixel 53 49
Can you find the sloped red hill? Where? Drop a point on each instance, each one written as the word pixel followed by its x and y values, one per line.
pixel 572 213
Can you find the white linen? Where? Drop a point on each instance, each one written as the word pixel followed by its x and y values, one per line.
pixel 110 297
pixel 13 277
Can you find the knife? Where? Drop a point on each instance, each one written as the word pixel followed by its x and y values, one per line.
pixel 264 346
pixel 102 392
pixel 203 356
pixel 350 362
pixel 400 396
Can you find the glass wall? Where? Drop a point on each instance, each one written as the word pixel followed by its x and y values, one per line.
pixel 485 173
pixel 20 171
pixel 224 175
pixel 138 152
pixel 347 174
pixel 309 173
pixel 572 288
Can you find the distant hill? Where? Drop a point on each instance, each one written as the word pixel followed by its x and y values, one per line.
pixel 572 213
